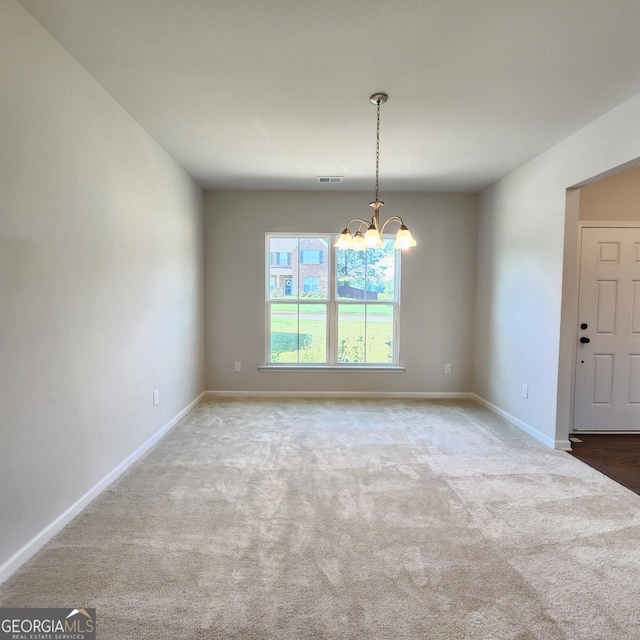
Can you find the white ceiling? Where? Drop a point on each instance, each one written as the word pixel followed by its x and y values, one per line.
pixel 270 94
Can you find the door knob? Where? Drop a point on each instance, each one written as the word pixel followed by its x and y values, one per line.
pixel 585 340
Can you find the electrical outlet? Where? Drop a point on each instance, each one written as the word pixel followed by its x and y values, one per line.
pixel 447 368
pixel 156 397
pixel 525 390
pixel 237 366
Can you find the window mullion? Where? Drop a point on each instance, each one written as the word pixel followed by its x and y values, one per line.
pixel 332 323
pixel 298 332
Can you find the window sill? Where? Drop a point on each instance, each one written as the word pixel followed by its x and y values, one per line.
pixel 327 367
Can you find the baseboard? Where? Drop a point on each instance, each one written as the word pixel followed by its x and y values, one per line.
pixel 563 445
pixel 419 395
pixel 9 567
pixel 633 432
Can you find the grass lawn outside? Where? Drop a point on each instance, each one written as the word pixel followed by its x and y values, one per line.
pixel 365 333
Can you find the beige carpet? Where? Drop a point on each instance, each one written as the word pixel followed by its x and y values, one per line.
pixel 348 519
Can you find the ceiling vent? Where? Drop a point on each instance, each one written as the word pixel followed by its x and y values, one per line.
pixel 330 179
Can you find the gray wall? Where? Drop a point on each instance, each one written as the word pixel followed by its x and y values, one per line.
pixel 526 293
pixel 101 282
pixel 438 279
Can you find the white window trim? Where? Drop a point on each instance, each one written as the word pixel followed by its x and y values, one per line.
pixel 331 303
pixel 371 368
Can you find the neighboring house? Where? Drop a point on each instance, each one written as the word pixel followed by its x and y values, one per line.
pixel 298 267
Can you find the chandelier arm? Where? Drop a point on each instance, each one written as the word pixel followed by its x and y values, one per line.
pixel 358 220
pixel 392 219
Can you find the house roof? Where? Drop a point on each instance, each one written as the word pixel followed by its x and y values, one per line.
pixel 270 94
pixel 289 244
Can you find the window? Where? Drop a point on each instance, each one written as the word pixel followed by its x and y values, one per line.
pixel 311 284
pixel 331 306
pixel 310 257
pixel 281 258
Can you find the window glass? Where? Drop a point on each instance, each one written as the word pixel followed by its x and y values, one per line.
pixel 330 306
pixel 365 333
pixel 298 267
pixel 366 275
pixel 298 333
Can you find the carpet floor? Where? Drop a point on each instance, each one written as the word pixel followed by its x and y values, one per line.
pixel 309 519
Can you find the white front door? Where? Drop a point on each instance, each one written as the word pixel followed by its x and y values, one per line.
pixel 607 393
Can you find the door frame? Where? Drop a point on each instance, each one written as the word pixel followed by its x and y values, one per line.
pixel 583 224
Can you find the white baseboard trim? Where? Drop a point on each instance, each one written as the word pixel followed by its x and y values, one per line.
pixel 21 556
pixel 564 445
pixel 420 395
pixel 577 434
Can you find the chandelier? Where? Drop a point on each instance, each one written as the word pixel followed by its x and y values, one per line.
pixel 372 238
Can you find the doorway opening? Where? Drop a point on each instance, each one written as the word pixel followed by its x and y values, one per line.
pixel 607 201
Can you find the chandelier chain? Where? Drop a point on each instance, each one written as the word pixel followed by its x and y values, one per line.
pixel 377 151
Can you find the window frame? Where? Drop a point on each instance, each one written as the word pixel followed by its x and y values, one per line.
pixel 331 303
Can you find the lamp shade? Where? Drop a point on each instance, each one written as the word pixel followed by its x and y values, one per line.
pixel 358 242
pixel 404 239
pixel 345 240
pixel 372 238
